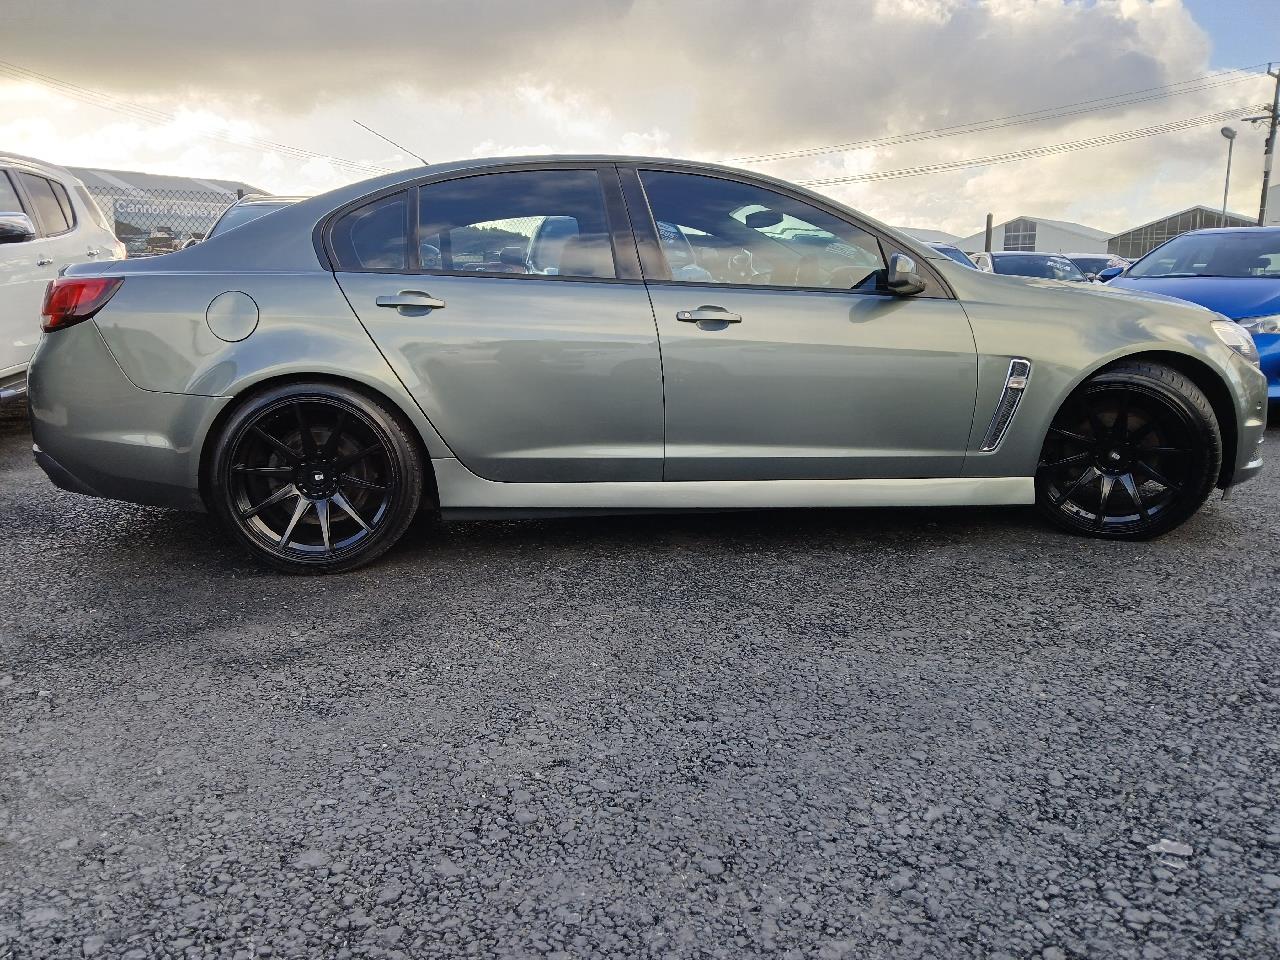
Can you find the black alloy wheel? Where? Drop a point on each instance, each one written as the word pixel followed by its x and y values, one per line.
pixel 315 478
pixel 1131 455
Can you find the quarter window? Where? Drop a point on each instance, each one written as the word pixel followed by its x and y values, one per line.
pixel 45 201
pixel 724 231
pixel 535 222
pixel 374 236
pixel 9 202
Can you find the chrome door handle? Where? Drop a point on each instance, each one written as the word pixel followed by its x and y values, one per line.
pixel 709 314
pixel 411 298
pixel 92 252
pixel 43 261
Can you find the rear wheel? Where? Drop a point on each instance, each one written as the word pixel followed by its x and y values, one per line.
pixel 315 478
pixel 1131 455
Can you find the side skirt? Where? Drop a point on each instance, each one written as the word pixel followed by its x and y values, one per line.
pixel 462 490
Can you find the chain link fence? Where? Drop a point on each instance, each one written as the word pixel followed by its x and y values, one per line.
pixel 159 221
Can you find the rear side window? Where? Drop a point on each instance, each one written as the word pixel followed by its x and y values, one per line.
pixel 9 202
pixel 95 211
pixel 48 209
pixel 374 236
pixel 548 223
pixel 64 202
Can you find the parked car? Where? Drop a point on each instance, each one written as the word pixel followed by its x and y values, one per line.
pixel 48 220
pixel 954 252
pixel 1234 272
pixel 244 210
pixel 313 383
pixel 1045 266
pixel 1092 264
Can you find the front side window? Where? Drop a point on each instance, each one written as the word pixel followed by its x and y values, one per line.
pixel 530 222
pixel 723 231
pixel 48 209
pixel 374 236
pixel 9 202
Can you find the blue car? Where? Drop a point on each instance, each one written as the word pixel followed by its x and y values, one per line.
pixel 1235 272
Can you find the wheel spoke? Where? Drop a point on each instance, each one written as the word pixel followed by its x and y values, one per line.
pixel 331 444
pixel 287 490
pixel 1078 437
pixel 1157 476
pixel 1081 480
pixel 1106 485
pixel 345 505
pixel 265 471
pixel 357 457
pixel 1075 458
pixel 309 449
pixel 298 511
pixel 1131 488
pixel 1120 426
pixel 322 511
pixel 363 484
pixel 1095 424
pixel 280 448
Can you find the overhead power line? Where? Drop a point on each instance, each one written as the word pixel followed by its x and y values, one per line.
pixel 1033 152
pixel 145 114
pixel 1146 95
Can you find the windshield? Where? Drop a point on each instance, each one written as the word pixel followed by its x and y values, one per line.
pixel 955 253
pixel 1243 254
pixel 1046 267
pixel 238 216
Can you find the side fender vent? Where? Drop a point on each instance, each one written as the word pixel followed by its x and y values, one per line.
pixel 1015 385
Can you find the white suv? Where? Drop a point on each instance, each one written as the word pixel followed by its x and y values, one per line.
pixel 48 220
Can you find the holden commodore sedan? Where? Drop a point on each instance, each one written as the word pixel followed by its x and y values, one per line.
pixel 516 337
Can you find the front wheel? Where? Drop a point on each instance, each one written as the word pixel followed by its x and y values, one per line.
pixel 1131 454
pixel 315 478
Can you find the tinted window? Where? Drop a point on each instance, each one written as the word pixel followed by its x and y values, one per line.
pixel 45 202
pixel 540 222
pixel 374 236
pixel 723 231
pixel 238 216
pixel 9 202
pixel 955 253
pixel 1255 253
pixel 1046 267
pixel 64 202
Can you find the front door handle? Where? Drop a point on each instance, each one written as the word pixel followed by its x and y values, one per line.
pixel 709 315
pixel 411 298
pixel 92 252
pixel 43 261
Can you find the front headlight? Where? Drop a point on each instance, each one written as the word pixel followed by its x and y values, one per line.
pixel 1256 325
pixel 1237 338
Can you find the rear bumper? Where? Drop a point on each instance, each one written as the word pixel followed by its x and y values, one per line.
pixel 97 434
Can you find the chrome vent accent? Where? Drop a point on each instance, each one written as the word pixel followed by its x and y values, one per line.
pixel 1015 384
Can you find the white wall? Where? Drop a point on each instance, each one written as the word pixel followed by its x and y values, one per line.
pixel 1049 239
pixel 1273 201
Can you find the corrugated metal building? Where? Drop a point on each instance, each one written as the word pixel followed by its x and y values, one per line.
pixel 1141 240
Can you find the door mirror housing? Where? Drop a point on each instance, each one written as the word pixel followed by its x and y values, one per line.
pixel 902 279
pixel 16 228
pixel 1109 274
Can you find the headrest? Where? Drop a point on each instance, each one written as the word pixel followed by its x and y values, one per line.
pixel 589 255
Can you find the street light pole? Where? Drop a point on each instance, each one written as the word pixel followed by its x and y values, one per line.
pixel 1230 134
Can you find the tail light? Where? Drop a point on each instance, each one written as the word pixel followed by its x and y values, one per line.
pixel 68 300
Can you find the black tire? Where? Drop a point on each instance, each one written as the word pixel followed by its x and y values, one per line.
pixel 1132 454
pixel 326 504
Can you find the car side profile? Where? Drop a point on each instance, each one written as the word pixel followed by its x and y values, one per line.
pixel 545 335
pixel 48 220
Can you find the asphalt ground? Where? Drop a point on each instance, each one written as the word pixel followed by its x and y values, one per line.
pixel 923 733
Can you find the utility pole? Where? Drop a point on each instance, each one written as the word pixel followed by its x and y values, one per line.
pixel 1270 151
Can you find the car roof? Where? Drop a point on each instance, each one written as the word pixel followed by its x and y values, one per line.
pixel 40 166
pixel 1248 231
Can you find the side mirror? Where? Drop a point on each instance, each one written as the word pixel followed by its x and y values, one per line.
pixel 1109 274
pixel 16 228
pixel 1091 277
pixel 902 279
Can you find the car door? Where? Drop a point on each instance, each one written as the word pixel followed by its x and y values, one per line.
pixel 782 359
pixel 25 270
pixel 517 318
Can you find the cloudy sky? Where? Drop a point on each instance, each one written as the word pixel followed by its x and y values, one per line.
pixel 266 92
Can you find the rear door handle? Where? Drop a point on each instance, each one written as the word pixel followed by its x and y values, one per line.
pixel 411 298
pixel 708 314
pixel 92 252
pixel 43 261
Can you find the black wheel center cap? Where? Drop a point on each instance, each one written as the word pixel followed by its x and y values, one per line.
pixel 316 480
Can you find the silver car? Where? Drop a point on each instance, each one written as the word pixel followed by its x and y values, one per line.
pixel 518 337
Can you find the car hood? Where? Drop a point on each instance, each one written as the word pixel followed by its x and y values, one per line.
pixel 1236 297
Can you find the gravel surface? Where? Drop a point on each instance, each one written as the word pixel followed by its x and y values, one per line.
pixel 824 734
